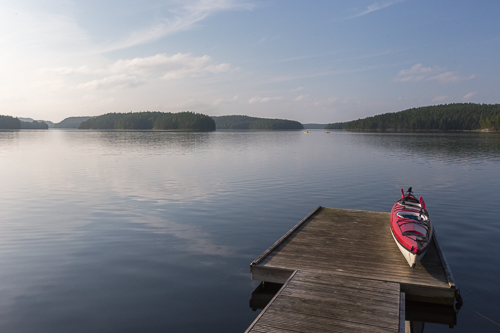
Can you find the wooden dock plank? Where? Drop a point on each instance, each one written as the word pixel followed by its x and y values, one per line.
pixel 343 272
pixel 303 305
pixel 432 278
pixel 355 243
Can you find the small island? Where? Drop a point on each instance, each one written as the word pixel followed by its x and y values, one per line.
pixel 446 117
pixel 254 123
pixel 8 122
pixel 148 120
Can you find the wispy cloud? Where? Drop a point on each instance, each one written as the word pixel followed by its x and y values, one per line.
pixel 179 65
pixel 440 98
pixel 258 99
pixel 128 73
pixel 297 58
pixel 184 17
pixel 219 101
pixel 468 96
pixel 420 73
pixel 373 8
pixel 113 81
pixel 324 73
pixel 379 54
pixel 327 102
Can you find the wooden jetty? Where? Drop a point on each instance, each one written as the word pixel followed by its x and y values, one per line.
pixel 342 272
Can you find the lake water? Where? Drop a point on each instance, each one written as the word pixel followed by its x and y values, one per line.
pixel 130 231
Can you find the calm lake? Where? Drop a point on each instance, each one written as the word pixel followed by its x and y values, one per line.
pixel 130 231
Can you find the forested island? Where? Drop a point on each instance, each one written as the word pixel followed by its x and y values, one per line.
pixel 8 122
pixel 447 117
pixel 254 123
pixel 184 121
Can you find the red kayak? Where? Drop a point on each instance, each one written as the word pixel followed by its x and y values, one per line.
pixel 411 227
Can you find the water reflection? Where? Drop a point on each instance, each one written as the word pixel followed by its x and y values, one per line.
pixel 177 142
pixel 445 147
pixel 144 229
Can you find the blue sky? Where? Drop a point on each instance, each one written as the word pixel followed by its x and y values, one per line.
pixel 311 61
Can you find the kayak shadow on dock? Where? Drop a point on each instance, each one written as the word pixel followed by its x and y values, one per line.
pixel 432 262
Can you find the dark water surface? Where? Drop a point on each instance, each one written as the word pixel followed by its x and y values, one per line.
pixel 154 231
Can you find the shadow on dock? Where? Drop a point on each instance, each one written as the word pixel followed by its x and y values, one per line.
pixel 416 314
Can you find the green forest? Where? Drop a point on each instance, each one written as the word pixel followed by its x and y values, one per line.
pixel 8 122
pixel 183 121
pixel 446 117
pixel 246 122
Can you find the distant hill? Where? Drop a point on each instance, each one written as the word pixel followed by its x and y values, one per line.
pixel 334 126
pixel 71 122
pixel 8 122
pixel 314 126
pixel 458 116
pixel 30 120
pixel 184 121
pixel 246 122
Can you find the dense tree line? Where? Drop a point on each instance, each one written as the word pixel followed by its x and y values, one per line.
pixel 34 125
pixel 246 122
pixel 459 116
pixel 187 121
pixel 492 123
pixel 8 122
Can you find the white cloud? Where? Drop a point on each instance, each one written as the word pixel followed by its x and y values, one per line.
pixel 170 67
pixel 323 73
pixel 468 96
pixel 258 99
pixel 327 102
pixel 440 98
pixel 113 81
pixel 376 6
pixel 217 101
pixel 416 73
pixel 420 73
pixel 299 98
pixel 127 73
pixel 184 18
pixel 450 77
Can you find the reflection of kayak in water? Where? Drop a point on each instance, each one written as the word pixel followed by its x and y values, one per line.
pixel 411 227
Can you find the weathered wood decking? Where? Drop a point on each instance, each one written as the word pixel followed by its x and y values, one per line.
pixel 342 272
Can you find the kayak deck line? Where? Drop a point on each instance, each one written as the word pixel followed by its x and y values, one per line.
pixel 341 269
